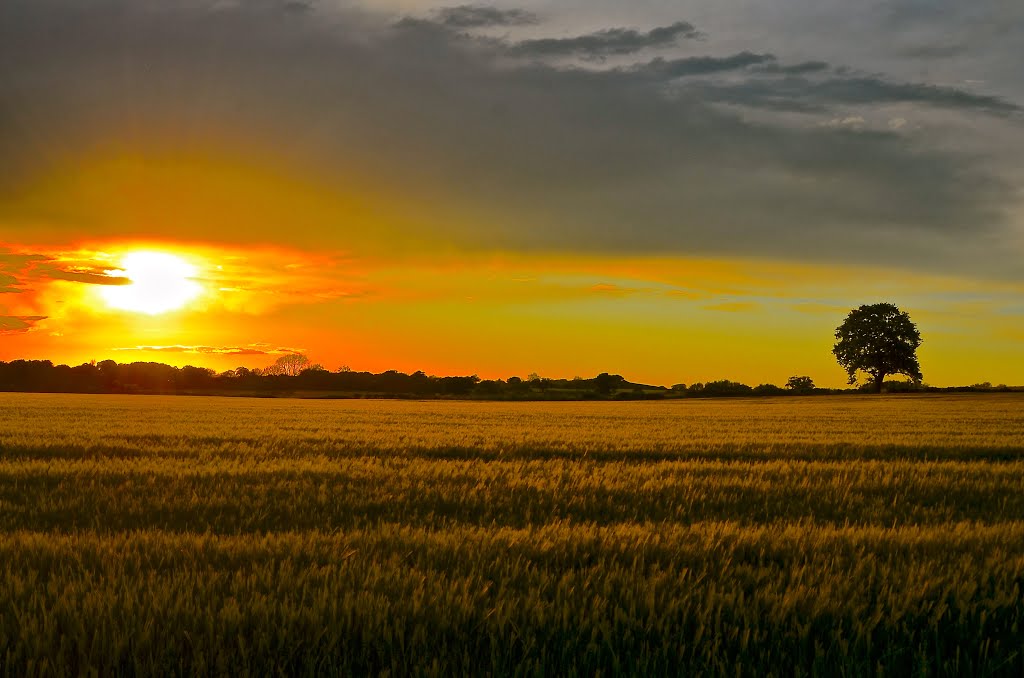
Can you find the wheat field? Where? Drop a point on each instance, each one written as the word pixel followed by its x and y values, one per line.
pixel 779 536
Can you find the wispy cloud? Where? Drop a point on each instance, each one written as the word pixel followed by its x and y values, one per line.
pixel 483 16
pixel 18 269
pixel 733 306
pixel 608 42
pixel 9 284
pixel 691 295
pixel 85 276
pixel 252 349
pixel 239 286
pixel 18 324
pixel 815 307
pixel 667 69
pixel 609 288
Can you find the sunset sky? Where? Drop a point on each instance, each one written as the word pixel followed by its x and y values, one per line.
pixel 672 191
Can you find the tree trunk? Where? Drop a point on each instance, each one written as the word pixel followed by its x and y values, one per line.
pixel 879 380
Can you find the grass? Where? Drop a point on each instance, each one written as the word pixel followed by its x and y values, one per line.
pixel 791 536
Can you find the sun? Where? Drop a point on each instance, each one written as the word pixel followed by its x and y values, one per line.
pixel 160 283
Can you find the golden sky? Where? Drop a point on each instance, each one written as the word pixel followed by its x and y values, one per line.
pixel 496 192
pixel 658 320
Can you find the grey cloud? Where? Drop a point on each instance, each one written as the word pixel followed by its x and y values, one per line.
pixel 274 6
pixel 688 66
pixel 964 40
pixel 452 144
pixel 9 284
pixel 801 68
pixel 942 50
pixel 18 324
pixel 481 16
pixel 874 90
pixel 979 21
pixel 806 95
pixel 88 277
pixel 762 94
pixel 13 270
pixel 13 262
pixel 16 270
pixel 609 42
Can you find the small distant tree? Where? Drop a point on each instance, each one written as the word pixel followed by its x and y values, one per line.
pixel 878 339
pixel 800 384
pixel 540 383
pixel 606 383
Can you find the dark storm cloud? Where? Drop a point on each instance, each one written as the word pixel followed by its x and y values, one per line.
pixel 608 42
pixel 488 151
pixel 480 16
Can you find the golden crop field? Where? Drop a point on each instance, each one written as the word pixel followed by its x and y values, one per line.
pixel 778 536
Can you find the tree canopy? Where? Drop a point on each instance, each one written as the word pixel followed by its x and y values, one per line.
pixel 800 384
pixel 878 339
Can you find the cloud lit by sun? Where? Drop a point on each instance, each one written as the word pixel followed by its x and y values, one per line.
pixel 160 283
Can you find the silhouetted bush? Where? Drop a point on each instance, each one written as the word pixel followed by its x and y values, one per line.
pixel 768 390
pixel 718 389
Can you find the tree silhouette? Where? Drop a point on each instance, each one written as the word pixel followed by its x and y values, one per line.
pixel 605 383
pixel 800 384
pixel 879 339
pixel 290 365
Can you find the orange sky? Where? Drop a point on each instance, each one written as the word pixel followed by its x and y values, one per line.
pixel 378 187
pixel 656 320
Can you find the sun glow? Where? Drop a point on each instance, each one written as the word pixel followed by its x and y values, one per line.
pixel 160 283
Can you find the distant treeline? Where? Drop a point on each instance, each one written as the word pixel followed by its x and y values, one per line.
pixel 43 376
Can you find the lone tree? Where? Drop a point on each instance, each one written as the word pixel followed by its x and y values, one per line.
pixel 879 339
